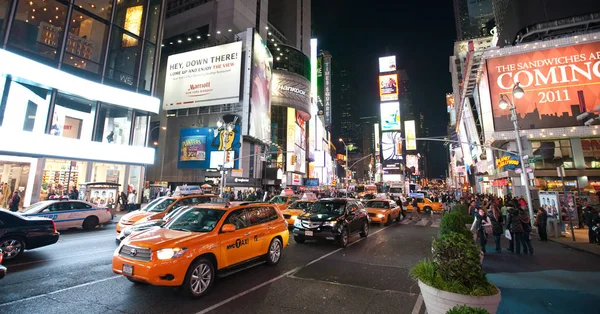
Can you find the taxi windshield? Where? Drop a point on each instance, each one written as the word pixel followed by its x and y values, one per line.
pixel 36 207
pixel 327 208
pixel 279 199
pixel 196 220
pixel 301 205
pixel 377 204
pixel 159 205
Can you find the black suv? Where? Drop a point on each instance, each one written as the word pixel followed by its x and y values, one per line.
pixel 332 219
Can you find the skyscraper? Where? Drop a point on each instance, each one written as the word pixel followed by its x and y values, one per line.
pixel 293 19
pixel 474 18
pixel 367 131
pixel 344 106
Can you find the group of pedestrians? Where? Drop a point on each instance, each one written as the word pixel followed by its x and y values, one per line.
pixel 10 200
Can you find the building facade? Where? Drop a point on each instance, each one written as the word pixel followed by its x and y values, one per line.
pixel 76 85
pixel 473 18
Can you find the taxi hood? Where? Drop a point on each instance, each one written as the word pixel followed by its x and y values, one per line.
pixel 136 215
pixel 158 238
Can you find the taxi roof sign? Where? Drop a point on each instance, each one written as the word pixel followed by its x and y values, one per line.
pixel 187 190
pixel 308 196
pixel 218 200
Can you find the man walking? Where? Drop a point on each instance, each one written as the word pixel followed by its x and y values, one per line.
pixel 131 201
pixel 589 214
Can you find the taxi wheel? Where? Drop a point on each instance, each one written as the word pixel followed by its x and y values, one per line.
pixel 427 210
pixel 365 230
pixel 343 240
pixel 274 254
pixel 90 223
pixel 199 278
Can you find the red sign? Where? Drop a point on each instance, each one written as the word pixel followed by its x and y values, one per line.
pixel 559 84
pixel 501 182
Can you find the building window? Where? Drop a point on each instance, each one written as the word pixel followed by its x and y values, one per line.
pixel 591 152
pixel 100 8
pixel 73 117
pixel 147 71
pixel 130 16
pixel 141 129
pixel 4 9
pixel 26 107
pixel 86 42
pixel 38 27
pixel 552 154
pixel 153 21
pixel 114 125
pixel 123 56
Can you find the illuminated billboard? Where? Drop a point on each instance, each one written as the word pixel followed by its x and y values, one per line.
pixel 387 64
pixel 388 87
pixel 391 146
pixel 411 135
pixel 559 84
pixel 412 162
pixel 390 116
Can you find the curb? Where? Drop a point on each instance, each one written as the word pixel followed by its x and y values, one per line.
pixel 574 247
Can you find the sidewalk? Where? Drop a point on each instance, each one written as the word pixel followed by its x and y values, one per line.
pixel 581 242
pixel 556 279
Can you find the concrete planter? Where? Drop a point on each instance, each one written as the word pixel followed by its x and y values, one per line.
pixel 440 302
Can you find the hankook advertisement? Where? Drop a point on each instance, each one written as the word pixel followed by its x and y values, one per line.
pixel 291 90
pixel 260 98
pixel 559 83
pixel 203 77
pixel 388 87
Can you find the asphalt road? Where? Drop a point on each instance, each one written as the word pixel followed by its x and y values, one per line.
pixel 370 276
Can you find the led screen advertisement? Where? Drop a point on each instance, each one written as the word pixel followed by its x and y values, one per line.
pixel 411 135
pixel 296 142
pixel 260 92
pixel 291 90
pixel 412 162
pixel 387 64
pixel 320 92
pixel 203 77
pixel 391 146
pixel 390 116
pixel 388 87
pixel 559 84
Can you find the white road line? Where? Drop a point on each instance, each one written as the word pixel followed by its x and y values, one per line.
pixel 418 305
pixel 61 290
pixel 54 259
pixel 243 293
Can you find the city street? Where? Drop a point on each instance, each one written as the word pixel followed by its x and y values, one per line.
pixel 370 276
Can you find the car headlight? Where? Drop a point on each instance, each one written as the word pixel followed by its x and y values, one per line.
pixel 330 223
pixel 380 215
pixel 170 253
pixel 294 218
pixel 298 223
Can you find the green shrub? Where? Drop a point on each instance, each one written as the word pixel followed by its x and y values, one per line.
pixel 460 209
pixel 463 309
pixel 454 222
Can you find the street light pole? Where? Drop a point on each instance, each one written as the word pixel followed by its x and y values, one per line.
pixel 518 93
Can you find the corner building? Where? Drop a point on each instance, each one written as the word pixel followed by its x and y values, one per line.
pixel 76 86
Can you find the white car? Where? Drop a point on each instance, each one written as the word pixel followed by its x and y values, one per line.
pixel 68 213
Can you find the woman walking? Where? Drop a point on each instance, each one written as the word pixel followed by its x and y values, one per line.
pixel 497 221
pixel 526 240
pixel 481 220
pixel 513 223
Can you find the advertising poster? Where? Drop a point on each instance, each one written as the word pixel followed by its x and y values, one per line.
pixel 559 84
pixel 102 197
pixel 390 116
pixel 387 64
pixel 411 135
pixel 549 201
pixel 260 97
pixel 320 86
pixel 391 146
pixel 218 158
pixel 193 148
pixel 199 143
pixel 204 77
pixel 291 90
pixel 507 162
pixel 311 182
pixel 388 87
pixel 412 161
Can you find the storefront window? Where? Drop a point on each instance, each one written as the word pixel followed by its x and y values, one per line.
pixel 38 27
pixel 110 173
pixel 140 130
pixel 15 172
pixel 100 8
pixel 85 43
pixel 552 154
pixel 114 125
pixel 591 152
pixel 147 68
pixel 60 176
pixel 153 21
pixel 130 16
pixel 73 117
pixel 135 173
pixel 123 59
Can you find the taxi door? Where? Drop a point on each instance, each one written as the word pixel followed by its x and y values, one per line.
pixel 236 246
pixel 258 217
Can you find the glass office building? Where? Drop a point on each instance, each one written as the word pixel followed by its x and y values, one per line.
pixel 76 93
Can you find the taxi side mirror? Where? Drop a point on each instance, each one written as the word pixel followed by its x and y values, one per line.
pixel 228 228
pixel 46 210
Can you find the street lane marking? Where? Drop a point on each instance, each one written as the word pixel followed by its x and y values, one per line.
pixel 54 259
pixel 418 305
pixel 291 272
pixel 61 290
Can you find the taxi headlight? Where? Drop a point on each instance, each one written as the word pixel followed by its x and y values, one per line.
pixel 165 254
pixel 298 223
pixel 380 215
pixel 294 218
pixel 330 223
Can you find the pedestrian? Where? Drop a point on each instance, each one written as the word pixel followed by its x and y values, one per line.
pixel 473 209
pixel 402 210
pixel 416 209
pixel 504 211
pixel 497 221
pixel 131 201
pixel 541 222
pixel 14 202
pixel 6 195
pixel 478 226
pixel 526 239
pixel 589 214
pixel 514 225
pixel 123 200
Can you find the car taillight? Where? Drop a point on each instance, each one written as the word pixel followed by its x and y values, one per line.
pixel 54 225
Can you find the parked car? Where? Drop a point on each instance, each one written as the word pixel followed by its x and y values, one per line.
pixel 2 268
pixel 332 219
pixel 19 233
pixel 142 225
pixel 68 213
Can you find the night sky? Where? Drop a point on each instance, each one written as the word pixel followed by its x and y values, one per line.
pixel 420 33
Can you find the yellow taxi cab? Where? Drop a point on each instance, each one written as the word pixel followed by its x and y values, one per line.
pixel 160 207
pixel 297 208
pixel 282 201
pixel 202 242
pixel 425 205
pixel 383 211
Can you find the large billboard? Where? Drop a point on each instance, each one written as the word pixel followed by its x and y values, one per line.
pixel 390 116
pixel 327 88
pixel 391 146
pixel 296 142
pixel 320 92
pixel 387 64
pixel 199 146
pixel 260 92
pixel 203 77
pixel 411 135
pixel 388 87
pixel 291 90
pixel 412 162
pixel 559 84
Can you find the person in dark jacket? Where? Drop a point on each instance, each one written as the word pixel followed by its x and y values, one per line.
pixel 497 230
pixel 541 222
pixel 478 226
pixel 589 214
pixel 526 240
pixel 516 230
pixel 14 202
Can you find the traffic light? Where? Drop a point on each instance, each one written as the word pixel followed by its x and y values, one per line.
pixel 227 157
pixel 294 159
